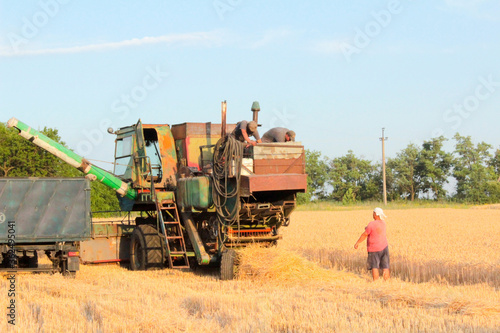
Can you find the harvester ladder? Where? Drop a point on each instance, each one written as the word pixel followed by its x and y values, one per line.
pixel 174 237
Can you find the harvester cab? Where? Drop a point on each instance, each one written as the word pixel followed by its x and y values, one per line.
pixel 145 156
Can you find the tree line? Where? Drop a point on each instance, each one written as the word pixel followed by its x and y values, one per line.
pixel 416 172
pixel 21 158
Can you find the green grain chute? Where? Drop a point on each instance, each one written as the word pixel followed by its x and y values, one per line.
pixel 73 159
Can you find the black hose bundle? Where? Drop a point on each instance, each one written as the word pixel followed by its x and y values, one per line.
pixel 226 172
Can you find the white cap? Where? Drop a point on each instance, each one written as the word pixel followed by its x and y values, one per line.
pixel 379 212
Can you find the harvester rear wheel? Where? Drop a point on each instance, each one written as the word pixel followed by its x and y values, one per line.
pixel 228 265
pixel 146 249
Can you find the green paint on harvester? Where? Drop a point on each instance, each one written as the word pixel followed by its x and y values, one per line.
pixel 195 192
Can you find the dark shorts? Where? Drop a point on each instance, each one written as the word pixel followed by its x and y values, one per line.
pixel 378 259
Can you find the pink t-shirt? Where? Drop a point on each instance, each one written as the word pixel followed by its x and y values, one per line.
pixel 377 240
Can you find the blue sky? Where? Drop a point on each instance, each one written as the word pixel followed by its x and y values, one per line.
pixel 336 72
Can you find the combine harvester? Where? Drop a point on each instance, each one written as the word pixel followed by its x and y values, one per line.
pixel 193 195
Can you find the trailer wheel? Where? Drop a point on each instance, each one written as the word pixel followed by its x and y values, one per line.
pixel 228 265
pixel 33 261
pixel 146 249
pixel 63 267
pixel 9 260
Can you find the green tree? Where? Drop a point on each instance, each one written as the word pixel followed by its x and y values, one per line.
pixel 376 187
pixel 317 176
pixel 404 169
pixel 102 198
pixel 474 172
pixel 8 150
pixel 352 178
pixel 495 163
pixel 434 167
pixel 21 158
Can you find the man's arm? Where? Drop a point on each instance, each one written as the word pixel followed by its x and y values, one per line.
pixel 361 239
pixel 257 136
pixel 247 139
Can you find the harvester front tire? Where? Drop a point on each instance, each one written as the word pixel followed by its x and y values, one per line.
pixel 228 265
pixel 146 249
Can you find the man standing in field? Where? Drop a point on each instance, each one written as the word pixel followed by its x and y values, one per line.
pixel 377 245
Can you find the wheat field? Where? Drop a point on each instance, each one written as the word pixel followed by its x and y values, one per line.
pixel 461 246
pixel 444 264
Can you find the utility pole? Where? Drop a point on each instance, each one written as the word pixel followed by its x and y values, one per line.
pixel 383 138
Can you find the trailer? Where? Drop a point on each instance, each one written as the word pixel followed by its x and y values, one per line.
pixel 49 215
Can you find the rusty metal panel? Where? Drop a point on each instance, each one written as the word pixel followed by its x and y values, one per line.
pixel 45 209
pixel 282 182
pixel 168 157
pixel 247 167
pixel 110 242
pixel 193 153
pixel 182 131
pixel 278 158
pixel 194 135
pixel 181 149
pixel 262 167
pixel 270 151
pixel 101 250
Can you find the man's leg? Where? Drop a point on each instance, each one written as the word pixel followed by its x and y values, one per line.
pixel 373 263
pixel 385 263
pixel 386 274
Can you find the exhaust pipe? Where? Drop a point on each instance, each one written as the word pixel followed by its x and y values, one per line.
pixel 255 110
pixel 223 125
